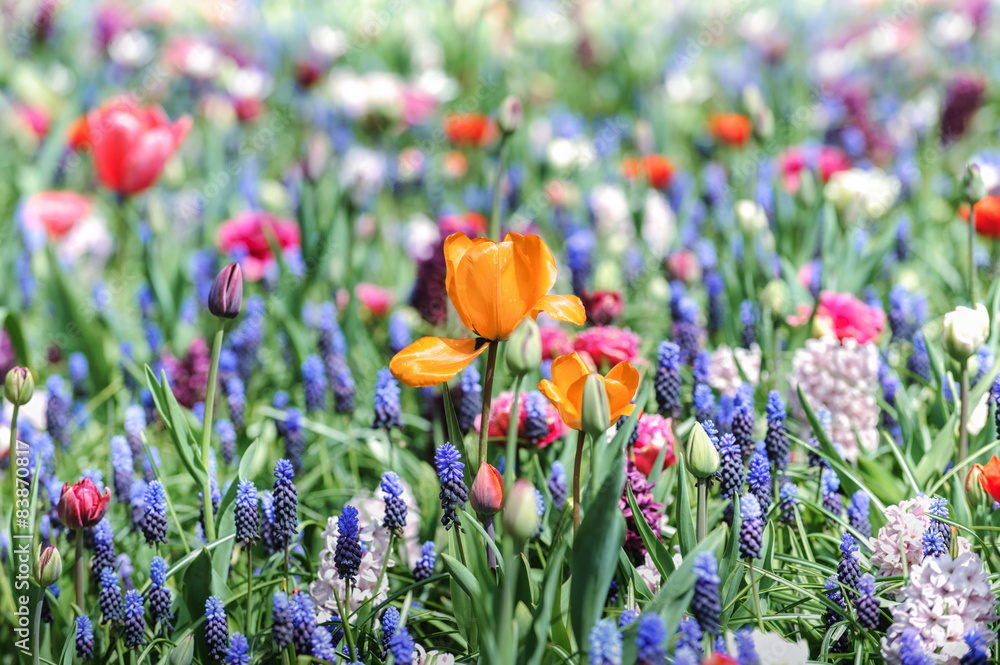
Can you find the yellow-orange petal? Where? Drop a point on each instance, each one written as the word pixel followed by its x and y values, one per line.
pixel 433 360
pixel 561 308
pixel 567 370
pixel 568 412
pixel 455 247
pixel 531 275
pixel 621 383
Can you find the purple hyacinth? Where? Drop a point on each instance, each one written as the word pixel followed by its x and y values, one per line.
pixel 471 402
pixel 238 652
pixel 706 605
pixel 424 567
pixel 830 487
pixel 776 440
pixel 387 411
pixel 651 639
pixel 390 622
pixel 743 419
pixel 281 620
pixel 135 622
pixel 348 552
pixel 857 513
pixel 246 514
pixel 314 383
pixel 286 501
pixel 294 437
pixel 57 411
pixel 751 527
pixel 160 597
pixel 227 436
pixel 154 515
pixel 557 485
pixel 759 480
pixel 395 506
pixel 667 380
pixel 730 471
pixel 104 546
pixel 704 402
pixel 453 490
pixel 979 651
pixel 849 567
pixel 866 605
pixel 216 628
pixel 110 599
pixel 122 466
pixel 402 647
pixel 650 510
pixel 536 417
pixel 84 638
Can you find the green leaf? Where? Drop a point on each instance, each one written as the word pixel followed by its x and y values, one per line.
pixel 538 637
pixel 176 423
pixel 942 449
pixel 682 513
pixel 658 552
pixel 595 553
pixel 12 324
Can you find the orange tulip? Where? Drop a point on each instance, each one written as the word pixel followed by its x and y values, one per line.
pixel 989 477
pixel 565 390
pixel 492 286
pixel 730 128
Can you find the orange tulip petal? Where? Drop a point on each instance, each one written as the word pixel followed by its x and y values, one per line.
pixel 562 308
pixel 621 384
pixel 568 411
pixel 475 287
pixel 532 274
pixel 568 369
pixel 433 360
pixel 455 247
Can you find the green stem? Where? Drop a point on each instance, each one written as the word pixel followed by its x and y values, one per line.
pixel 495 211
pixel 972 256
pixel 247 627
pixel 484 422
pixel 507 602
pixel 756 597
pixel 510 461
pixel 284 586
pixel 37 636
pixel 122 249
pixel 12 473
pixel 700 530
pixel 344 606
pixel 963 423
pixel 576 480
pixel 385 564
pixel 206 434
pixel 79 571
pixel 593 482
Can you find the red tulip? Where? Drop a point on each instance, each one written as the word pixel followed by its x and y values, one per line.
pixel 55 212
pixel 602 307
pixel 486 496
pixel 469 129
pixel 245 237
pixel 130 144
pixel 730 128
pixel 989 476
pixel 81 505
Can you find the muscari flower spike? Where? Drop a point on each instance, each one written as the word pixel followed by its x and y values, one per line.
pixel 557 485
pixel 689 636
pixel 294 437
pixel 453 490
pixel 776 440
pixel 160 597
pixel 387 410
pixel 746 650
pixel 730 472
pixel 849 568
pixel 322 645
pixel 104 546
pixel 667 380
pixel 650 639
pixel 830 485
pixel 286 501
pixel 424 567
pixel 314 383
pixel 216 628
pixel 134 620
pixel 605 643
pixel 979 652
pixel 471 401
pixel 227 435
pixel 84 638
pixel 743 419
pixel 395 507
pixel 238 652
pixel 402 647
pixel 751 527
pixel 281 620
pixel 536 417
pixel 704 402
pixel 390 622
pixel 154 519
pixel 759 480
pixel 348 552
pixel 246 514
pixel 110 600
pixel 627 617
pixel 866 605
pixel 857 513
pixel 706 605
pixel 123 468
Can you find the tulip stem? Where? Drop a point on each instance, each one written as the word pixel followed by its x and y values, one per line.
pixel 495 210
pixel 507 646
pixel 12 474
pixel 700 529
pixel 963 423
pixel 36 638
pixel 484 422
pixel 79 570
pixel 972 256
pixel 206 434
pixel 576 480
pixel 510 461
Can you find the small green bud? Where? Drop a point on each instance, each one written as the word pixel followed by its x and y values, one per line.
pixel 700 454
pixel 48 566
pixel 975 494
pixel 524 348
pixel 595 413
pixel 19 386
pixel 520 513
pixel 183 653
pixel 510 114
pixel 965 330
pixel 807 191
pixel 973 188
pixel 775 297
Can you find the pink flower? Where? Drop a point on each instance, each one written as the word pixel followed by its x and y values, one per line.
pixel 244 238
pixel 827 160
pixel 500 421
pixel 35 119
pixel 653 433
pixel 376 299
pixel 555 342
pixel 608 344
pixel 846 317
pixel 55 212
pixel 417 105
pixel 683 265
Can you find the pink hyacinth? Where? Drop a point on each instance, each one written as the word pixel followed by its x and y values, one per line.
pixel 555 342
pixel 653 433
pixel 189 375
pixel 846 317
pixel 608 345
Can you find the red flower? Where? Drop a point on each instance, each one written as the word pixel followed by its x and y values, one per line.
pixel 500 421
pixel 55 212
pixel 845 316
pixel 375 299
pixel 793 161
pixel 469 129
pixel 245 238
pixel 130 144
pixel 987 216
pixel 608 344
pixel 653 432
pixel 730 128
pixel 657 169
pixel 719 658
pixel 989 477
pixel 602 307
pixel 81 505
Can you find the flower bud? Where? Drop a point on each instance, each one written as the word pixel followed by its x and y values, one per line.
pixel 19 386
pixel 595 412
pixel 751 216
pixel 48 566
pixel 700 454
pixel 226 297
pixel 520 514
pixel 975 492
pixel 82 505
pixel 524 348
pixel 973 188
pixel 510 114
pixel 775 297
pixel 965 330
pixel 183 653
pixel 808 190
pixel 602 307
pixel 486 496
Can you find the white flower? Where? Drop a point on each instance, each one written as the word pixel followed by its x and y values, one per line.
pixel 965 330
pixel 980 414
pixel 611 211
pixel 874 192
pixel 773 649
pixel 751 216
pixel 659 224
pixel 434 657
pixel 131 48
pixel 725 365
pixel 649 574
pixel 329 586
pixel 362 172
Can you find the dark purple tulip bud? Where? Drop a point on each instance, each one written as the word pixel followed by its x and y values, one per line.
pixel 226 297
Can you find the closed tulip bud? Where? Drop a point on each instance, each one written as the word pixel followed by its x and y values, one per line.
pixel 48 566
pixel 183 653
pixel 700 454
pixel 82 505
pixel 19 386
pixel 775 297
pixel 751 216
pixel 973 188
pixel 486 496
pixel 226 297
pixel 975 493
pixel 510 114
pixel 595 416
pixel 965 330
pixel 520 515
pixel 524 348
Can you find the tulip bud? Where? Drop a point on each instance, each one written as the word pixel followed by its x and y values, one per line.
pixel 520 515
pixel 486 496
pixel 807 191
pixel 965 330
pixel 975 491
pixel 48 566
pixel 82 505
pixel 973 188
pixel 183 653
pixel 751 216
pixel 510 114
pixel 19 386
pixel 524 348
pixel 226 297
pixel 775 297
pixel 595 416
pixel 700 454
